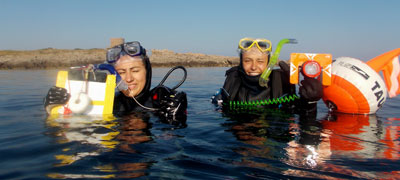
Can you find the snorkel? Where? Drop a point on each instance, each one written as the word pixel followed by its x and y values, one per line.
pixel 264 78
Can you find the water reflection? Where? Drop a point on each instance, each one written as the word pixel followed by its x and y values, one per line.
pixel 303 146
pixel 362 141
pixel 263 135
pixel 311 155
pixel 392 139
pixel 85 138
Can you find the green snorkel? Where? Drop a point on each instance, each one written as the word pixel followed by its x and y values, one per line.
pixel 263 81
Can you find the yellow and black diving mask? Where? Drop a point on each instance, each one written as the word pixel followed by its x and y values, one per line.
pixel 264 45
pixel 130 48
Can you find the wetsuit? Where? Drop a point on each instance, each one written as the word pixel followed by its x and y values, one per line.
pixel 171 104
pixel 241 87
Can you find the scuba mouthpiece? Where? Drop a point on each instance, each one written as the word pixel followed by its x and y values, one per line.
pixel 121 85
pixel 264 78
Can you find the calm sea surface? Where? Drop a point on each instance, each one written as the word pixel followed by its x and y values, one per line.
pixel 272 145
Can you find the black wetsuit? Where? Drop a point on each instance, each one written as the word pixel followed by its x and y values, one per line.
pixel 124 105
pixel 243 88
pixel 171 108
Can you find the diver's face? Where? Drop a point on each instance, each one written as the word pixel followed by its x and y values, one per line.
pixel 254 61
pixel 133 72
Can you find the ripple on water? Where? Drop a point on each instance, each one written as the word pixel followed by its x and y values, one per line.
pixel 212 145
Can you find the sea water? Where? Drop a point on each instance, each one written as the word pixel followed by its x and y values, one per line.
pixel 211 145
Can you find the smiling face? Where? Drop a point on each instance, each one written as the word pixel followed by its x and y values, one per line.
pixel 133 71
pixel 254 61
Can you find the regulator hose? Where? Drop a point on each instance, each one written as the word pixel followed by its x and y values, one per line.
pixel 170 71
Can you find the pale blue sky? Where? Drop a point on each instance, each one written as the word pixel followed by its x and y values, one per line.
pixel 357 28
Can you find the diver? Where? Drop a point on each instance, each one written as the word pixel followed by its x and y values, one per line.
pixel 242 83
pixel 130 63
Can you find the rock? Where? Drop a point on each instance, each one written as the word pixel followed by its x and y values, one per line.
pixel 59 58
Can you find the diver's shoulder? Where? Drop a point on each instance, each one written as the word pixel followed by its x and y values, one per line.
pixel 232 70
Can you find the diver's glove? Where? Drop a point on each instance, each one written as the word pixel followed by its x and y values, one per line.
pixel 172 105
pixel 311 89
pixel 174 108
pixel 220 97
pixel 56 96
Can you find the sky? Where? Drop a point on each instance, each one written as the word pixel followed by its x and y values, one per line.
pixel 361 29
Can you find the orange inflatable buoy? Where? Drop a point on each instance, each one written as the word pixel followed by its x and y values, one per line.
pixel 388 63
pixel 357 87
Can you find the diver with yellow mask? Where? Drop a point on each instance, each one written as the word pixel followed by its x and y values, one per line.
pixel 243 88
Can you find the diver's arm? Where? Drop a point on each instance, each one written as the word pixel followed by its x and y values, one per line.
pixel 310 93
pixel 231 84
pixel 55 97
pixel 221 95
pixel 170 105
pixel 305 107
pixel 230 88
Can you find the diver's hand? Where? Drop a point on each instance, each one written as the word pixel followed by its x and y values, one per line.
pixel 55 96
pixel 173 108
pixel 219 98
pixel 311 89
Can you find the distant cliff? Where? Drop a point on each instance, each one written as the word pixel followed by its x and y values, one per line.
pixel 59 58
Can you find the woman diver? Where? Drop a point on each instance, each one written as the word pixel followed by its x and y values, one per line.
pixel 242 82
pixel 130 63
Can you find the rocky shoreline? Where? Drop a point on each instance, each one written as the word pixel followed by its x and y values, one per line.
pixel 60 58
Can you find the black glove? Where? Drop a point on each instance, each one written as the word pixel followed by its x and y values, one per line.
pixel 220 97
pixel 311 89
pixel 171 104
pixel 174 108
pixel 55 96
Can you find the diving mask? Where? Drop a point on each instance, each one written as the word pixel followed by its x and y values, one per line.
pixel 130 48
pixel 263 45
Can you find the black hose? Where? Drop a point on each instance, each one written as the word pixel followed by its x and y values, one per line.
pixel 170 71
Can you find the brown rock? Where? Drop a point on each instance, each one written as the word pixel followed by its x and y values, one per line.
pixel 61 58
